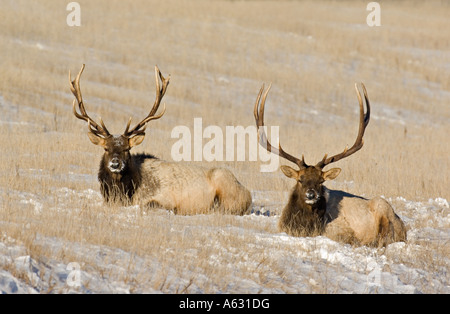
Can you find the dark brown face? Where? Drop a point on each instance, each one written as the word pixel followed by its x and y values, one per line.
pixel 117 150
pixel 117 153
pixel 310 181
pixel 311 184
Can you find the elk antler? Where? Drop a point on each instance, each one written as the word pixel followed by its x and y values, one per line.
pixel 363 122
pixel 98 130
pixel 139 129
pixel 263 141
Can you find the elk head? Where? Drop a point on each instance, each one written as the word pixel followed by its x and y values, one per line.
pixel 310 178
pixel 117 147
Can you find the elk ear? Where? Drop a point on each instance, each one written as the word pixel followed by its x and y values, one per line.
pixel 290 172
pixel 97 140
pixel 331 174
pixel 136 140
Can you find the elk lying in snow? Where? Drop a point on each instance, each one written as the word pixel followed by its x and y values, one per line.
pixel 145 180
pixel 315 210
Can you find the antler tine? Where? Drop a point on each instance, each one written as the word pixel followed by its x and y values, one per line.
pixel 258 112
pixel 160 92
pixel 76 91
pixel 75 88
pixel 364 119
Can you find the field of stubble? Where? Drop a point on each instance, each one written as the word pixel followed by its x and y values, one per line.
pixel 218 54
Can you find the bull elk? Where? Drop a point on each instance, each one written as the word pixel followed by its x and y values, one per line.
pixel 145 180
pixel 315 210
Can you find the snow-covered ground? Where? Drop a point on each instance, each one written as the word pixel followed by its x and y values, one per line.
pixel 268 262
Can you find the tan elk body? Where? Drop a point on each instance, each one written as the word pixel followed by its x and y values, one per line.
pixel 145 180
pixel 189 189
pixel 313 209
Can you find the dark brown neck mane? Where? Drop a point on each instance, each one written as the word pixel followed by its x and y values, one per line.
pixel 301 218
pixel 119 188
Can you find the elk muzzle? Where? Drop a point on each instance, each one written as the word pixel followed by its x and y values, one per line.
pixel 116 165
pixel 311 196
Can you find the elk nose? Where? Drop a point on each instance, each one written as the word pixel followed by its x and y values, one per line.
pixel 310 194
pixel 115 163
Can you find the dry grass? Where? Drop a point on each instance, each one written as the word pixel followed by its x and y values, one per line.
pixel 218 54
